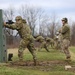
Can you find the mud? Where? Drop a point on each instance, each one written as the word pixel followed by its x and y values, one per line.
pixel 39 63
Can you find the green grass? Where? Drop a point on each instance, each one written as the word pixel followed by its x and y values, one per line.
pixel 53 55
pixel 43 55
pixel 21 71
pixel 72 49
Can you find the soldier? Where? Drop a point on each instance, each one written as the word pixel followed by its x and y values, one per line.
pixel 50 41
pixel 65 31
pixel 41 40
pixel 24 21
pixel 26 37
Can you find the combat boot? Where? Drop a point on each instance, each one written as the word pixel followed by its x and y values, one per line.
pixel 68 58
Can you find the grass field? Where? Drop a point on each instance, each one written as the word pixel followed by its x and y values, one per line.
pixel 51 63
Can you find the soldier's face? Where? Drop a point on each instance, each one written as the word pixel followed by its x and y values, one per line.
pixel 63 22
pixel 18 21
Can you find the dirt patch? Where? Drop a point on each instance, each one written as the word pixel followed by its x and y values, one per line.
pixel 39 63
pixel 42 65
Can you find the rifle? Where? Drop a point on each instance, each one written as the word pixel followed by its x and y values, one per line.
pixel 9 22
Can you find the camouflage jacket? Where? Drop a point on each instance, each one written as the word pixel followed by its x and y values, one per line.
pixel 23 30
pixel 40 39
pixel 65 32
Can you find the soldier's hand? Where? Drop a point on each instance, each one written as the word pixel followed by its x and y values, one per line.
pixel 60 31
pixel 4 23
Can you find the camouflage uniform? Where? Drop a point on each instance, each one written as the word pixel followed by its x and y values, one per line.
pixel 66 39
pixel 41 40
pixel 60 39
pixel 26 37
pixel 50 41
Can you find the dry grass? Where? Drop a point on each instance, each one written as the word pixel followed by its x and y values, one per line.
pixel 72 55
pixel 15 51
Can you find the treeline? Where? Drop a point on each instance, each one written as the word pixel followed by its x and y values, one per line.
pixel 39 21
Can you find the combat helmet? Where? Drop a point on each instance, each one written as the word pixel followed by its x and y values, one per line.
pixel 65 19
pixel 18 18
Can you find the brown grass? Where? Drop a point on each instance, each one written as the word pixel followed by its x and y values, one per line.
pixel 14 51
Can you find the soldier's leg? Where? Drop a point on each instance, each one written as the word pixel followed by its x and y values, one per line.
pixel 55 44
pixel 59 46
pixel 20 50
pixel 65 48
pixel 20 53
pixel 32 51
pixel 46 47
pixel 40 47
pixel 52 45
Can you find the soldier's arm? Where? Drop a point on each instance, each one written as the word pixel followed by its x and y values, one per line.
pixel 19 26
pixel 60 30
pixel 11 26
pixel 65 29
pixel 14 26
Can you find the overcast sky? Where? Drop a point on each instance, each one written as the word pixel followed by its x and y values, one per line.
pixel 63 8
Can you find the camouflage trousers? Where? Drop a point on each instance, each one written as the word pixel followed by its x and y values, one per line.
pixel 52 44
pixel 57 45
pixel 26 44
pixel 65 46
pixel 45 46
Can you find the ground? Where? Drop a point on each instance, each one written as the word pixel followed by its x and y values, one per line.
pixel 48 63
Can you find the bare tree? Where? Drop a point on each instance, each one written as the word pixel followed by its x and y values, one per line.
pixel 49 25
pixel 44 22
pixel 8 14
pixel 32 15
pixel 54 25
pixel 72 34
